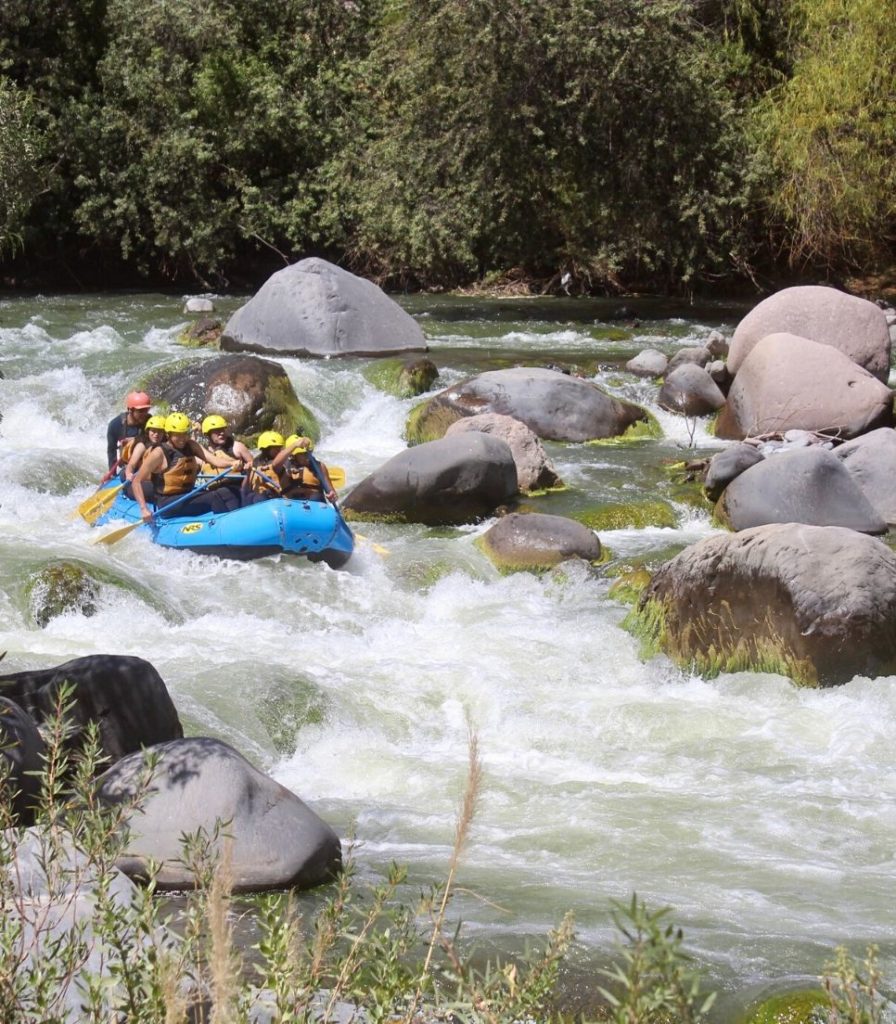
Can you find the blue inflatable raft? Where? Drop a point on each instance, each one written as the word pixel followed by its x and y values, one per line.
pixel 314 529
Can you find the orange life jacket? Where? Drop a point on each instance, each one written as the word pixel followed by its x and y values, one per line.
pixel 264 479
pixel 179 475
pixel 301 482
pixel 225 450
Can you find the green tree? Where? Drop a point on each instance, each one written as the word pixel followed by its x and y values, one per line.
pixel 20 172
pixel 829 134
pixel 594 135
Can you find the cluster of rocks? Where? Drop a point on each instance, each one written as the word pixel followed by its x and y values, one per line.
pixel 801 587
pixel 273 839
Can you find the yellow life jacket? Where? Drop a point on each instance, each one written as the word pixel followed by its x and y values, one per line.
pixel 225 451
pixel 127 450
pixel 264 479
pixel 180 473
pixel 301 482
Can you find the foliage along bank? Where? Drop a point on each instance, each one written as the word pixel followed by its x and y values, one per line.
pixel 670 145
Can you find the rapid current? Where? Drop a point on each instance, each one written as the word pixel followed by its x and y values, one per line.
pixel 762 814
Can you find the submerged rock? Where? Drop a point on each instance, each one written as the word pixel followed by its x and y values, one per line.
pixel 403 378
pixel 816 603
pixel 536 542
pixel 59 588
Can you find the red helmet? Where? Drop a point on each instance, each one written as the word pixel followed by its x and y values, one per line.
pixel 138 400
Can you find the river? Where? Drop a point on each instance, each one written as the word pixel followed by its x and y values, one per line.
pixel 762 814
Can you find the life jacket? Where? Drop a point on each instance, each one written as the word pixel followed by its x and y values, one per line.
pixel 226 450
pixel 179 475
pixel 301 482
pixel 264 479
pixel 126 450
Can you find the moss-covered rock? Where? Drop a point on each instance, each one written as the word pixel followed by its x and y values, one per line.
pixel 429 420
pixel 61 587
pixel 403 378
pixel 646 429
pixel 536 542
pixel 632 515
pixel 804 1006
pixel 628 585
pixel 287 709
pixel 202 333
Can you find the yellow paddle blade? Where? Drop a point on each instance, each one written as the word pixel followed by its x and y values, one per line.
pixel 93 507
pixel 337 476
pixel 114 536
pixel 378 548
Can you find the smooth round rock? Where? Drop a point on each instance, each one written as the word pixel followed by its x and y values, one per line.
pixel 690 391
pixel 536 542
pixel 534 470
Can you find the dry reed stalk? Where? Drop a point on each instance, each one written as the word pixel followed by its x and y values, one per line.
pixel 224 962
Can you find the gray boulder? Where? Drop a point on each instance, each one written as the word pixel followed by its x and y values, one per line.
pixel 556 406
pixel 648 363
pixel 454 480
pixel 252 394
pixel 536 542
pixel 697 356
pixel 816 603
pixel 724 466
pixel 61 587
pixel 856 327
pixel 314 308
pixel 275 840
pixel 690 390
pixel 788 382
pixel 534 470
pixel 197 304
pixel 22 747
pixel 871 461
pixel 800 485
pixel 125 696
pixel 717 344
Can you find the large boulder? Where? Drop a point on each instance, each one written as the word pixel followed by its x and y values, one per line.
pixel 275 840
pixel 125 696
pixel 22 747
pixel 252 394
pixel 556 406
pixel 534 470
pixel 727 464
pixel 537 542
pixel 696 356
pixel 801 485
pixel 871 461
pixel 857 327
pixel 455 480
pixel 314 308
pixel 690 390
pixel 788 382
pixel 816 603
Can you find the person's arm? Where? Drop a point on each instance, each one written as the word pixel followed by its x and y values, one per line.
pixel 284 453
pixel 134 461
pixel 324 477
pixel 113 436
pixel 242 452
pixel 151 464
pixel 212 458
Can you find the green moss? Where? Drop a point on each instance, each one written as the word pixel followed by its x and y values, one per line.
pixel 627 587
pixel 429 420
pixel 807 1006
pixel 632 515
pixel 359 516
pixel 644 429
pixel 761 650
pixel 610 334
pixel 401 377
pixel 424 574
pixel 384 374
pixel 284 412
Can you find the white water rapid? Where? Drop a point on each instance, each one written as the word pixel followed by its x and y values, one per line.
pixel 762 814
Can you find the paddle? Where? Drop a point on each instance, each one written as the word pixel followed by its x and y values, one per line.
pixel 114 536
pixel 318 472
pixel 101 500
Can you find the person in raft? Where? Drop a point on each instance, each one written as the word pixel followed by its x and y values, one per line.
pixel 169 471
pixel 129 423
pixel 220 440
pixel 298 479
pixel 134 449
pixel 263 480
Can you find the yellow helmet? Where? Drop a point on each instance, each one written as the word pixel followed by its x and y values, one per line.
pixel 213 422
pixel 155 423
pixel 306 444
pixel 177 423
pixel 270 439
